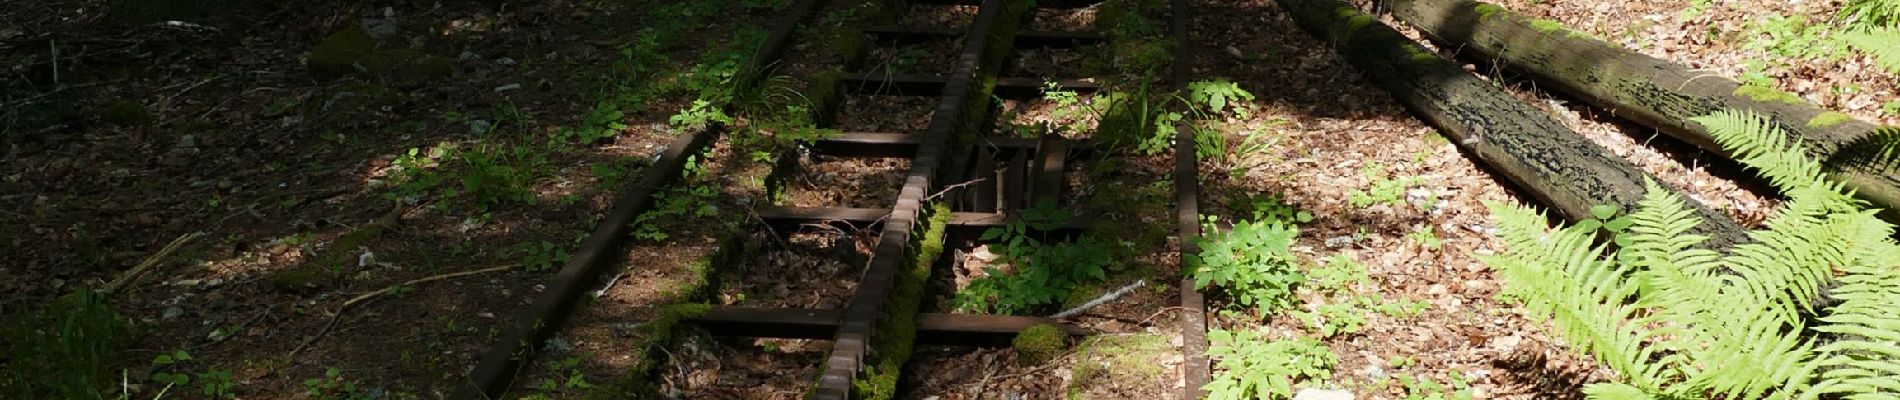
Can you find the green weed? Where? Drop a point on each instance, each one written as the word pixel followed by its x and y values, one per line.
pixel 69 349
pixel 1253 367
pixel 1042 272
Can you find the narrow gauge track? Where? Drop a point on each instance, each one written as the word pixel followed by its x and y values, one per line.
pixel 997 177
pixel 1003 175
pixel 982 181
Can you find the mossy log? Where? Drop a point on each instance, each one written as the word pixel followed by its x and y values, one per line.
pixel 1559 167
pixel 1647 90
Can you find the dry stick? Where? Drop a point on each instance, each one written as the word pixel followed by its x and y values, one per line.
pixel 1118 293
pixel 149 262
pixel 367 296
pixel 978 392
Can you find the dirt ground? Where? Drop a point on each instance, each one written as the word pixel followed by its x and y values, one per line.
pixel 494 134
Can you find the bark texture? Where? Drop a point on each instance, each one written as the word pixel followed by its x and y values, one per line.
pixel 1527 145
pixel 1650 91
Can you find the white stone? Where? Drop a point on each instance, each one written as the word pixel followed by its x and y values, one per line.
pixel 1322 394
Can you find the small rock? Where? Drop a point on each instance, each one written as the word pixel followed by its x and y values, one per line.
pixel 1322 394
pixel 172 312
pixel 485 314
pixel 1339 241
pixel 1507 344
pixel 983 253
pixel 508 87
pixel 558 345
pixel 1436 289
pixel 467 55
pixel 1374 371
pixel 505 61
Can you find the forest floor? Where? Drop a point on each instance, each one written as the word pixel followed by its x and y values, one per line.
pixel 493 134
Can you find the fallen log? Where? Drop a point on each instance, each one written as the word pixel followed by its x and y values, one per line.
pixel 1651 91
pixel 1527 145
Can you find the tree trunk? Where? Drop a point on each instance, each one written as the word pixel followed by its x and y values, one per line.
pixel 1647 90
pixel 1527 145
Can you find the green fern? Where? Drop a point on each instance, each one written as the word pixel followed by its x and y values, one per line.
pixel 1871 13
pixel 1883 44
pixel 1676 320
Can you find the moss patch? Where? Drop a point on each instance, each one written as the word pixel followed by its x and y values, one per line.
pixel 1767 95
pixel 1108 361
pixel 1828 119
pixel 336 56
pixel 1039 344
pixel 897 333
pixel 1419 55
pixel 1485 10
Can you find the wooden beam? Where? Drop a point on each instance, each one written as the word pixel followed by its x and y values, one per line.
pixel 1027 39
pixel 1552 163
pixel 885 84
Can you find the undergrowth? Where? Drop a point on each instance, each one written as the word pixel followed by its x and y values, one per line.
pixel 71 348
pixel 1035 268
pixel 1806 309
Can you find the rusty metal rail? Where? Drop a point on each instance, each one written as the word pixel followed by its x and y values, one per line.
pixel 852 342
pixel 522 336
pixel 1002 175
pixel 1195 368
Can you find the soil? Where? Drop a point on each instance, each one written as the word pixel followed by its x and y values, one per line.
pixel 281 171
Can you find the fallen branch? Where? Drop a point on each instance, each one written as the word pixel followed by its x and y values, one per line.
pixel 149 262
pixel 366 296
pixel 359 299
pixel 1111 296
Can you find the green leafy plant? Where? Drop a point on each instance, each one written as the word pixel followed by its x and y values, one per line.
pixel 603 121
pixel 68 348
pixel 1870 14
pixel 1272 207
pixel 167 371
pixel 1883 44
pixel 1251 262
pixel 685 202
pixel 1425 237
pixel 1805 309
pixel 1793 38
pixel 541 256
pixel 334 386
pixel 1248 366
pixel 217 384
pixel 1336 305
pixel 564 374
pixel 1041 272
pixel 1385 190
pixel 1425 388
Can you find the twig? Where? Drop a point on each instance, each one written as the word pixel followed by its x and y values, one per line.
pixel 947 189
pixel 367 296
pixel 978 392
pixel 149 262
pixel 1111 296
pixel 1031 371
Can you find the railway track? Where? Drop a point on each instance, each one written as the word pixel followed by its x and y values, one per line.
pixel 961 180
pixel 955 177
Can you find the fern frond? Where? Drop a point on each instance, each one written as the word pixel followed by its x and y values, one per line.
pixel 1882 44
pixel 1563 277
pixel 1871 13
pixel 1616 391
pixel 1762 145
pixel 1864 362
pixel 1877 152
